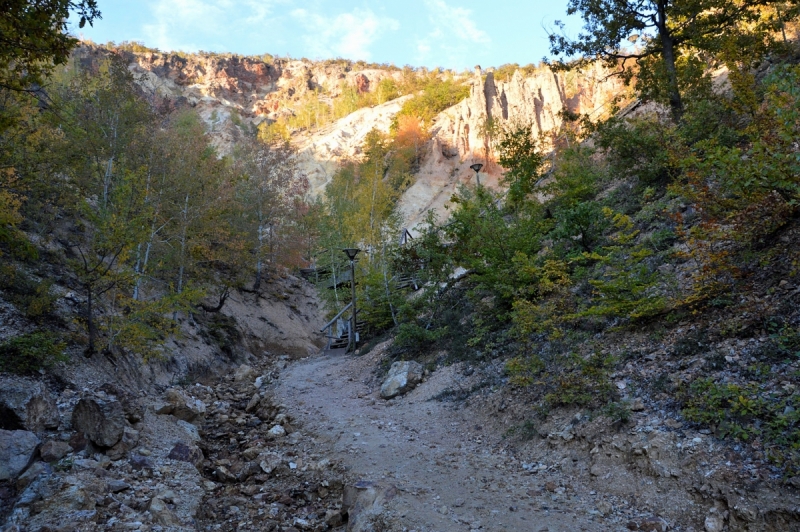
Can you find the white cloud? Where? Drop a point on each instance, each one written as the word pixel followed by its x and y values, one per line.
pixel 177 23
pixel 454 34
pixel 348 35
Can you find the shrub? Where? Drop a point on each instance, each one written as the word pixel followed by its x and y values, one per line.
pixel 30 352
pixel 436 96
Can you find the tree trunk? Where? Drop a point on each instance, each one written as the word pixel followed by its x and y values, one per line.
pixel 259 251
pixel 668 44
pixel 90 320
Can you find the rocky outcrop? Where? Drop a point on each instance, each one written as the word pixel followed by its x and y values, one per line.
pixel 26 404
pixel 321 153
pixel 459 138
pixel 234 94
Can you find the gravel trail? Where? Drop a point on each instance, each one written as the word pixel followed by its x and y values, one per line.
pixel 441 473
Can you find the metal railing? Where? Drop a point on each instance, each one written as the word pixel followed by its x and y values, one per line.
pixel 327 328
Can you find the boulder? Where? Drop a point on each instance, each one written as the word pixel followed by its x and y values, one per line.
pixel 130 438
pixel 186 453
pixel 101 420
pixel 26 404
pixel 17 448
pixel 161 513
pixel 132 405
pixel 182 406
pixel 54 450
pixel 403 377
pixel 364 504
pixel 244 373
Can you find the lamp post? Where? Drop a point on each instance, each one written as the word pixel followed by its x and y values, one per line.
pixel 351 254
pixel 477 167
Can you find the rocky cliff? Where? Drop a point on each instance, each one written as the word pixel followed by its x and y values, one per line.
pixel 235 94
pixel 459 134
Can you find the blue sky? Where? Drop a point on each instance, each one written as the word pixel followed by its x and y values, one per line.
pixel 448 33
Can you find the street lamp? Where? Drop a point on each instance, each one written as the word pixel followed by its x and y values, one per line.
pixel 477 167
pixel 351 254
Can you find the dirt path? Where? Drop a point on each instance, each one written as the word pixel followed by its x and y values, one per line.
pixel 447 475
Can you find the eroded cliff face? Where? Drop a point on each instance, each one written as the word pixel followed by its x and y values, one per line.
pixel 234 94
pixel 460 138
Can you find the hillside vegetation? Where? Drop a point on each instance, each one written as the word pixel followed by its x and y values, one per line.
pixel 121 199
pixel 654 252
pixel 659 248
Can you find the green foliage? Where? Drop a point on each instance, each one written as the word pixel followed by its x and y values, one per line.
pixel 34 298
pixel 273 132
pixel 583 224
pixel 415 336
pixel 747 412
pixel 221 331
pixel 628 287
pixel 523 370
pixel 580 381
pixel 148 217
pixel 436 96
pixel 525 431
pixel 618 412
pixel 30 352
pixel 636 149
pixel 35 38
pixel 522 162
pixel 671 35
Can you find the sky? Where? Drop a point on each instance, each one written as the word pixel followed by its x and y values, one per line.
pixel 454 34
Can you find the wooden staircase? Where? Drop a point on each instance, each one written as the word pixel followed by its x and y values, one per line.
pixel 337 332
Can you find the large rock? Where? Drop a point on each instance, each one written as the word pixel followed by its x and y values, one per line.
pixel 54 450
pixel 132 405
pixel 403 377
pixel 17 448
pixel 187 453
pixel 244 373
pixel 101 420
pixel 26 404
pixel 182 406
pixel 364 504
pixel 129 440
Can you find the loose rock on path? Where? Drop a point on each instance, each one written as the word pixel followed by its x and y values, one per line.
pixel 415 452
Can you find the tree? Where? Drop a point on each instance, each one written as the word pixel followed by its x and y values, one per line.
pixel 522 161
pixel 33 38
pixel 670 30
pixel 269 186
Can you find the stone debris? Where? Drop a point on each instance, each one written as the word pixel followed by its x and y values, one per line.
pixel 182 405
pixel 241 465
pixel 54 450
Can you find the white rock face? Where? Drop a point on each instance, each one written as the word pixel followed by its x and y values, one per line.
pixel 403 377
pixel 234 94
pixel 321 153
pixel 458 141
